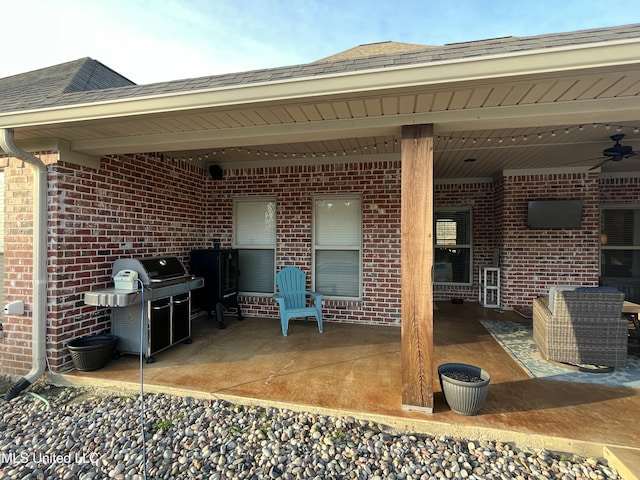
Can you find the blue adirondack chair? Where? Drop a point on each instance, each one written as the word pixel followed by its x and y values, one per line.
pixel 292 298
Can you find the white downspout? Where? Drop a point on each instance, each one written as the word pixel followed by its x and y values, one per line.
pixel 39 308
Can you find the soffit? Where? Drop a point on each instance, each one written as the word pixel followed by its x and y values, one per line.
pixel 417 103
pixel 467 118
pixel 572 148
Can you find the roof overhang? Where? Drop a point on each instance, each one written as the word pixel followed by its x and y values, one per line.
pixel 458 71
pixel 539 88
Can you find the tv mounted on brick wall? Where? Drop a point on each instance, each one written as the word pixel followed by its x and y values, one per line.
pixel 546 214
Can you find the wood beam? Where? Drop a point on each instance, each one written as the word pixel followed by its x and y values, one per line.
pixel 417 261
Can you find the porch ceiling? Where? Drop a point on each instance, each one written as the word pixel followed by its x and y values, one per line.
pixel 546 120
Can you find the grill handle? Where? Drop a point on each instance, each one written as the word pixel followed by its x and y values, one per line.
pixel 160 307
pixel 174 277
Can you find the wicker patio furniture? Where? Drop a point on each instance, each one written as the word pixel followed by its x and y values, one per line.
pixel 585 328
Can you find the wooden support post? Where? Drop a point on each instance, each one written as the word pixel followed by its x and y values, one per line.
pixel 417 262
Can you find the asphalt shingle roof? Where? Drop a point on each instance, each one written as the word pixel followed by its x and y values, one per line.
pixel 49 85
pixel 88 81
pixel 369 49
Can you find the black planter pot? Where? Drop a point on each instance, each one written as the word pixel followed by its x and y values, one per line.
pixel 92 352
pixel 464 387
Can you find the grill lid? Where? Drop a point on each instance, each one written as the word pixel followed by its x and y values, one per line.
pixel 152 269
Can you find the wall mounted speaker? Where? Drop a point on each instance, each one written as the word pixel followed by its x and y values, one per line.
pixel 215 171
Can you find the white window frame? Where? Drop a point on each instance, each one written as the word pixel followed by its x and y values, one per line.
pixel 356 247
pixel 468 246
pixel 258 246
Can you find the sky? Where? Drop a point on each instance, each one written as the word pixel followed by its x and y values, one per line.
pixel 151 41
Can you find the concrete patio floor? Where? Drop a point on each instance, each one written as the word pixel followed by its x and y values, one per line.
pixel 355 370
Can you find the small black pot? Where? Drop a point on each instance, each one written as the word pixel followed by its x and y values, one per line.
pixel 92 352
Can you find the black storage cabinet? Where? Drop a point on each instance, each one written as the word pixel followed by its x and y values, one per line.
pixel 219 268
pixel 167 321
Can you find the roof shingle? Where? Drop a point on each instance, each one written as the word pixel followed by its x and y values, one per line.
pixel 88 81
pixel 40 87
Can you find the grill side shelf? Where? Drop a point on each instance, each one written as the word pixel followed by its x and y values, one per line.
pixel 110 297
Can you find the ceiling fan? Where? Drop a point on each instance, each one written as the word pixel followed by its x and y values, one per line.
pixel 615 153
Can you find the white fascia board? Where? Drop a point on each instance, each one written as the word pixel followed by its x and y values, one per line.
pixel 65 153
pixel 561 59
pixel 69 155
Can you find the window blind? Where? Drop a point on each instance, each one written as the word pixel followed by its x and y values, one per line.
pixel 620 242
pixel 256 270
pixel 337 273
pixel 255 239
pixel 337 222
pixel 337 246
pixel 255 223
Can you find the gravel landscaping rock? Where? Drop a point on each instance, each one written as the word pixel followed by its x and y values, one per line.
pixel 73 433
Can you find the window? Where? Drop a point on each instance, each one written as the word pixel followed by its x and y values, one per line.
pixel 337 246
pixel 620 242
pixel 452 256
pixel 254 235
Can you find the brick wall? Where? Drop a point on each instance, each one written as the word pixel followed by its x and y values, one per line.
pixel 145 205
pixel 533 260
pixel 133 206
pixel 616 191
pixel 294 188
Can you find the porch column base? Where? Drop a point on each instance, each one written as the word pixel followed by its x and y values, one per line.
pixel 415 408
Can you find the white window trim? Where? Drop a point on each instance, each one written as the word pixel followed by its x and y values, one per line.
pixel 357 248
pixel 469 209
pixel 257 246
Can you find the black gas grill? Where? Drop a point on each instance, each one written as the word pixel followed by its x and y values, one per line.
pixel 160 284
pixel 161 276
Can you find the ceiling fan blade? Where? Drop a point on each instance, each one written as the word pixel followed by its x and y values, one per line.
pixel 598 165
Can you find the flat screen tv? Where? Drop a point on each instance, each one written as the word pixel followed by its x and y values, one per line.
pixel 546 214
